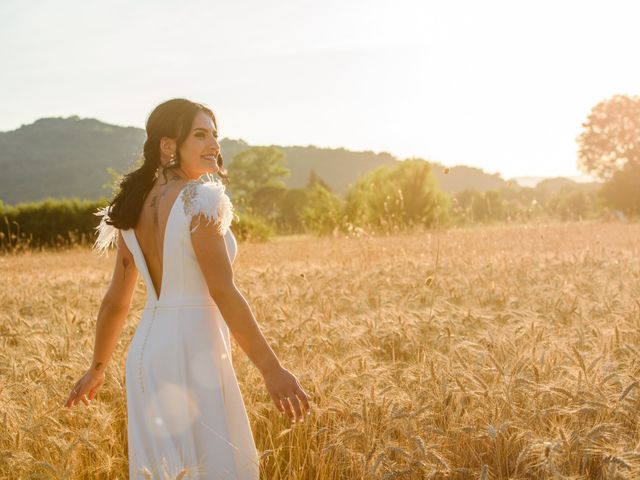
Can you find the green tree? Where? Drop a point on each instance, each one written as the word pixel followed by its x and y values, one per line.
pixel 397 197
pixel 483 207
pixel 610 137
pixel 114 183
pixel 291 207
pixel 253 170
pixel 266 201
pixel 610 149
pixel 568 206
pixel 314 178
pixel 622 192
pixel 322 212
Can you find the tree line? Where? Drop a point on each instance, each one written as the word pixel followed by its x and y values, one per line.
pixel 385 199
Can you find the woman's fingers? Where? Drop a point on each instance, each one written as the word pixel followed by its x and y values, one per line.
pixel 72 395
pixel 297 403
pixel 76 398
pixel 288 395
pixel 70 400
pixel 305 399
pixel 278 403
pixel 287 407
pixel 79 394
pixel 296 406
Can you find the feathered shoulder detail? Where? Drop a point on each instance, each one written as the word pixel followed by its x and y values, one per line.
pixel 209 199
pixel 107 234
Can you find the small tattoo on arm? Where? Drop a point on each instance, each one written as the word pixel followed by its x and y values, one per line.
pixel 98 365
pixel 125 264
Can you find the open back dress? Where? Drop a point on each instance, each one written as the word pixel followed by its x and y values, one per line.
pixel 184 407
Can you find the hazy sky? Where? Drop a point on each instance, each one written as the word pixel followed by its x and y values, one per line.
pixel 502 85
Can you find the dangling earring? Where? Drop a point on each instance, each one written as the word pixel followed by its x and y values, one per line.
pixel 172 161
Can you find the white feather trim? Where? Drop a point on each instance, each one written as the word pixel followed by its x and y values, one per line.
pixel 107 234
pixel 210 200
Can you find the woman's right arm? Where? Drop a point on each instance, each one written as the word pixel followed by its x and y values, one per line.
pixel 211 252
pixel 111 318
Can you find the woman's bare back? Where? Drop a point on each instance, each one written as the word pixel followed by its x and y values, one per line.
pixel 152 222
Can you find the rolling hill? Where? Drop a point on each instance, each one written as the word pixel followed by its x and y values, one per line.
pixel 70 157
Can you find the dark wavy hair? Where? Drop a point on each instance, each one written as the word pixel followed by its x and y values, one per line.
pixel 172 119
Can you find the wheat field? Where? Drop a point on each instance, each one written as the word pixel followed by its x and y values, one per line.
pixel 505 352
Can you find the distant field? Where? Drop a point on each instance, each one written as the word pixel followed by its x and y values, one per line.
pixel 495 353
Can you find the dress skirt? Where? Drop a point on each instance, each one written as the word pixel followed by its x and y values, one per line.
pixel 184 406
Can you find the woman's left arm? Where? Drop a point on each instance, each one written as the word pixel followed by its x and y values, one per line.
pixel 111 317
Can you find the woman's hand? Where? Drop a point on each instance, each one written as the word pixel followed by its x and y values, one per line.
pixel 286 393
pixel 89 384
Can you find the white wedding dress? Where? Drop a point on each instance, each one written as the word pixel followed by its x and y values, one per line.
pixel 184 405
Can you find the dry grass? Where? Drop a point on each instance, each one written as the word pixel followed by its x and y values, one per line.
pixel 516 357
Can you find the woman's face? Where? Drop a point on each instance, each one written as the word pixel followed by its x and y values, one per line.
pixel 199 151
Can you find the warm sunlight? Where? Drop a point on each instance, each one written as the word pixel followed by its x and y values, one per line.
pixel 319 240
pixel 500 85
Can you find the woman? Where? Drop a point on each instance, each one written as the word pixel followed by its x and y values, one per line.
pixel 183 402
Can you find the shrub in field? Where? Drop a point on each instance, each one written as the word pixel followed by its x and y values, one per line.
pixel 322 213
pixel 393 198
pixel 48 223
pixel 62 223
pixel 480 207
pixel 291 206
pixel 622 192
pixel 252 227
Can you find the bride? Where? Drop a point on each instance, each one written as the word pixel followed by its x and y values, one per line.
pixel 185 412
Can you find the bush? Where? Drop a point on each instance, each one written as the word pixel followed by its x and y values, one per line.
pixel 622 192
pixel 251 227
pixel 67 222
pixel 322 212
pixel 396 198
pixel 480 207
pixel 291 206
pixel 48 223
